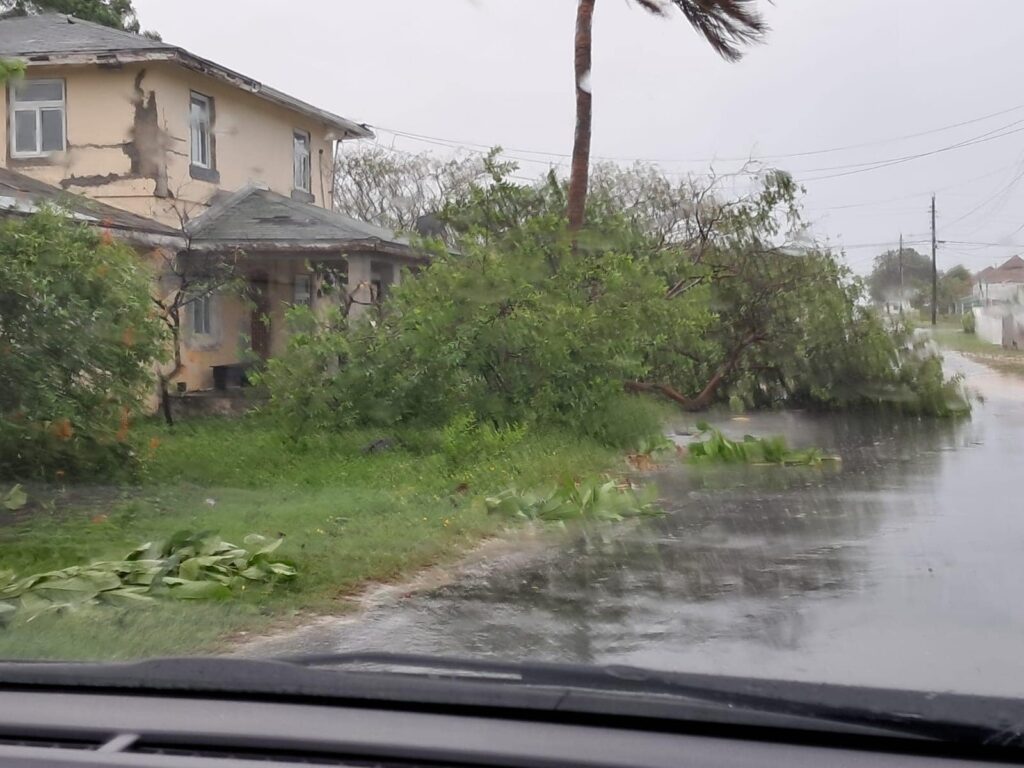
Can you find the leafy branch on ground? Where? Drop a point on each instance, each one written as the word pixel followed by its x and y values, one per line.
pixel 596 500
pixel 14 499
pixel 186 566
pixel 716 447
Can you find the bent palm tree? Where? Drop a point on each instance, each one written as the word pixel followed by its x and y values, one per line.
pixel 727 25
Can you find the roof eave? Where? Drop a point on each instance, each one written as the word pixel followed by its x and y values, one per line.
pixel 204 245
pixel 345 129
pixel 134 235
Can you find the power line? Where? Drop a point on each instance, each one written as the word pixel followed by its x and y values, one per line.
pixel 956 185
pixel 982 139
pixel 782 156
pixel 851 169
pixel 999 193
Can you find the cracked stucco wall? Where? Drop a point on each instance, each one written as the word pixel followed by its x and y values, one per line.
pixel 128 130
pixel 128 140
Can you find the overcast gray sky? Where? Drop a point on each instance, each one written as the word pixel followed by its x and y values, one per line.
pixel 833 73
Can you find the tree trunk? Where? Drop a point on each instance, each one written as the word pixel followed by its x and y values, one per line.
pixel 165 402
pixel 706 396
pixel 165 378
pixel 578 177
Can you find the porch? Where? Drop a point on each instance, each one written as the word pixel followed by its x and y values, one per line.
pixel 284 254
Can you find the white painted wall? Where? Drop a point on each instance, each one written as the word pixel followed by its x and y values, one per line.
pixel 999 292
pixel 991 325
pixel 988 325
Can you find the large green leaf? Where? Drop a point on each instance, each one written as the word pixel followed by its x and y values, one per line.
pixel 15 499
pixel 187 566
pixel 129 595
pixel 199 590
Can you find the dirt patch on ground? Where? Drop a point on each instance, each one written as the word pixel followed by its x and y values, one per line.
pixel 510 551
pixel 1001 362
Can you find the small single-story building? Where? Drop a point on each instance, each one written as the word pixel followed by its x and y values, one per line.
pixel 290 249
pixel 279 252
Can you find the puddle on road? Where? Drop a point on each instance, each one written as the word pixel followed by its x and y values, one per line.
pixel 898 569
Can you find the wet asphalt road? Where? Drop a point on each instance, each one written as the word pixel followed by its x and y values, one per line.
pixel 904 568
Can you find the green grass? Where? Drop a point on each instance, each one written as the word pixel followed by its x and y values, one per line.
pixel 350 518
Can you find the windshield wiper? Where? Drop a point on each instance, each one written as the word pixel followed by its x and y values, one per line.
pixel 616 696
pixel 962 718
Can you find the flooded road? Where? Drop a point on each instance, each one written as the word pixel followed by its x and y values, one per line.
pixel 903 568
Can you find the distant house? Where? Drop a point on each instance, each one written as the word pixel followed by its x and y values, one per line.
pixel 999 293
pixel 1002 284
pixel 178 153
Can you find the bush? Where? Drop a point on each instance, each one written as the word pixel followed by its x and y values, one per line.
pixel 465 441
pixel 625 421
pixel 967 320
pixel 486 338
pixel 77 347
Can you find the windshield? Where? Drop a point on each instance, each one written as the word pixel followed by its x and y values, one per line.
pixel 665 333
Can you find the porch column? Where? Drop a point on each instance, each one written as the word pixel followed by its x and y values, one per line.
pixel 360 287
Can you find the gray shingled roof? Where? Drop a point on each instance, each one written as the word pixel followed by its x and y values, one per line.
pixel 53 37
pixel 20 194
pixel 256 218
pixel 55 33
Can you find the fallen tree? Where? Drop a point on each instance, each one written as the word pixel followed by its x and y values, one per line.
pixel 525 322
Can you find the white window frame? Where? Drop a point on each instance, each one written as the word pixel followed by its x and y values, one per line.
pixel 204 141
pixel 202 315
pixel 302 163
pixel 302 291
pixel 38 107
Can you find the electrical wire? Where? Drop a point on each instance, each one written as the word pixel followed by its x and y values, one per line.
pixel 781 156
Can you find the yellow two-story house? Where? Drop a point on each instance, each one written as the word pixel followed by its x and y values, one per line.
pixel 224 167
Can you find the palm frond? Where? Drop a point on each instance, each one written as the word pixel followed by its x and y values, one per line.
pixel 728 25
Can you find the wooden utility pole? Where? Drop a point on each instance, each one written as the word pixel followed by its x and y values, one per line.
pixel 901 273
pixel 935 271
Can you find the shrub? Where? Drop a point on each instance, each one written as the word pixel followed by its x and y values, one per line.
pixel 486 338
pixel 967 320
pixel 625 421
pixel 465 441
pixel 78 342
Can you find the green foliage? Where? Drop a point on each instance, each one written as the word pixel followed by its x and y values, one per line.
pixel 751 450
pixel 967 321
pixel 187 566
pixel 593 500
pixel 304 382
pixel 629 422
pixel 355 517
pixel 884 281
pixel 501 336
pixel 668 287
pixel 78 342
pixel 922 387
pixel 465 441
pixel 954 284
pixel 10 69
pixel 118 14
